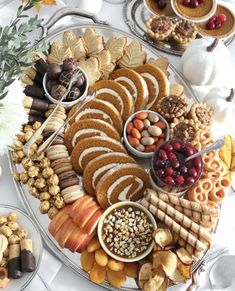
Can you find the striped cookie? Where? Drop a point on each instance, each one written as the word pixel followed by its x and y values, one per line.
pixel 61 166
pixel 97 167
pixel 98 109
pixel 72 193
pixel 87 128
pixel 157 82
pixel 117 95
pixel 123 182
pixel 91 147
pixel 135 84
pixel 56 152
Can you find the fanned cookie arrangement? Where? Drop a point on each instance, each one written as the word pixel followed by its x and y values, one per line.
pixel 116 181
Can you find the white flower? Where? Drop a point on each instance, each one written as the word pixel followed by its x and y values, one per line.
pixel 12 115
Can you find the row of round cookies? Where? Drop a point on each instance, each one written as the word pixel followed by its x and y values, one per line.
pixel 93 140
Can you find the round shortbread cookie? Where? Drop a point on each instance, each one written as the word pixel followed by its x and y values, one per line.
pixel 123 182
pixel 157 82
pixel 135 84
pixel 88 128
pixel 116 94
pixel 97 167
pixel 91 147
pixel 98 109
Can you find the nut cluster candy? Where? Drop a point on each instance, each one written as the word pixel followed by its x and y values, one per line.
pixel 59 77
pixel 146 132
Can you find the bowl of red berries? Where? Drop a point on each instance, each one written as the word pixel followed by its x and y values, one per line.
pixel 170 172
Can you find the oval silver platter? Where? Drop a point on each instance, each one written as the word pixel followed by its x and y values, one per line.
pixel 135 16
pixel 31 205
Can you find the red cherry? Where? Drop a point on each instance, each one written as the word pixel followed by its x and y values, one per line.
pixel 176 145
pixel 159 163
pixel 186 2
pixel 192 173
pixel 189 180
pixel 188 150
pixel 168 148
pixel 171 156
pixel 169 171
pixel 175 164
pixel 194 3
pixel 197 163
pixel 218 23
pixel 169 181
pixel 179 180
pixel 210 25
pixel 222 17
pixel 160 173
pixel 162 155
pixel 213 19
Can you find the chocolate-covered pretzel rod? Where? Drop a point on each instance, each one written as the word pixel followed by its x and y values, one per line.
pixel 34 91
pixel 27 257
pixel 14 270
pixel 177 228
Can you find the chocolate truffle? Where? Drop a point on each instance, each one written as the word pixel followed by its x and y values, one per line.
pixel 74 94
pixel 50 84
pixel 65 78
pixel 69 64
pixel 57 91
pixel 54 71
pixel 80 81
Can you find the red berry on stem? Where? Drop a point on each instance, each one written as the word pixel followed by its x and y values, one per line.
pixel 222 17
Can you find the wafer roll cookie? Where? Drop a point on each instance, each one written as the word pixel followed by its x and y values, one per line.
pixel 196 254
pixel 187 204
pixel 178 229
pixel 203 219
pixel 179 217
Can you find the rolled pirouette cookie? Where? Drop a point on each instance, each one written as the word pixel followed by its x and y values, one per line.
pixel 14 269
pixel 177 228
pixel 27 257
pixel 184 220
pixel 185 203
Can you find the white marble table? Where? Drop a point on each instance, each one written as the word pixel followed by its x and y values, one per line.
pixel 66 279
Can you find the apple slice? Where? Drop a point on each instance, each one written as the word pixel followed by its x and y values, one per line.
pixel 64 232
pixel 84 241
pixel 72 239
pixel 58 221
pixel 91 225
pixel 85 213
pixel 80 202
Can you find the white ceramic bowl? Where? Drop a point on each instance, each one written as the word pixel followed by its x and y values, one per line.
pixel 133 150
pixel 33 233
pixel 65 104
pixel 111 209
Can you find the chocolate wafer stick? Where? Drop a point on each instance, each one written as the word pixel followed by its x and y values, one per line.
pixel 179 217
pixel 177 228
pixel 185 203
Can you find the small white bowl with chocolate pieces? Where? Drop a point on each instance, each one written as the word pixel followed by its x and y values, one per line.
pixel 144 131
pixel 125 231
pixel 56 81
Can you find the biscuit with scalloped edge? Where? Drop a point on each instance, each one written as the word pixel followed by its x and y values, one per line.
pixel 105 64
pixel 116 47
pixel 59 52
pixel 93 41
pixel 76 44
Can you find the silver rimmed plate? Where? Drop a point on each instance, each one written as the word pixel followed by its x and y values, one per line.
pixel 33 233
pixel 136 14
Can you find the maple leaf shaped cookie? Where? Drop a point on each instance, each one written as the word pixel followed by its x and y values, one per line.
pixel 161 63
pixel 59 52
pixel 134 56
pixel 91 68
pixel 105 64
pixel 93 41
pixel 76 44
pixel 116 47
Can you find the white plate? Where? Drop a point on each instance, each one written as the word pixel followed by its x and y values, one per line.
pixel 33 233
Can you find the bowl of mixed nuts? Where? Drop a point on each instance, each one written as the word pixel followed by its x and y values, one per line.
pixel 125 231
